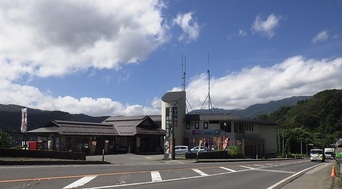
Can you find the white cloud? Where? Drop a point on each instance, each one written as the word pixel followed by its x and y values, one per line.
pixel 294 77
pixel 321 36
pixel 266 27
pixel 188 25
pixel 242 33
pixel 54 38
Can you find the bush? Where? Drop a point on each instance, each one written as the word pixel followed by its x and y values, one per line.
pixel 235 151
pixel 5 140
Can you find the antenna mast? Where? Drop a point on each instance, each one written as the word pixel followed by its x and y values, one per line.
pixel 183 69
pixel 183 78
pixel 210 105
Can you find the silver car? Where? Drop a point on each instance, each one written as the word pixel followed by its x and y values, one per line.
pixel 181 149
pixel 198 149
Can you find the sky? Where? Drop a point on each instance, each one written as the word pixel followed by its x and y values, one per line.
pixel 119 57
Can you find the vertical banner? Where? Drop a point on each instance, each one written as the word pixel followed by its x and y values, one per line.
pixel 23 120
pixel 225 143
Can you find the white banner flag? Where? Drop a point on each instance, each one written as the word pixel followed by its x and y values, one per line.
pixel 23 120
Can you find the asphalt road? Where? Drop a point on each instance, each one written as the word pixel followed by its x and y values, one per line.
pixel 146 172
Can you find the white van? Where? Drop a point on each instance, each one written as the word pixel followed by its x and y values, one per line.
pixel 329 153
pixel 316 155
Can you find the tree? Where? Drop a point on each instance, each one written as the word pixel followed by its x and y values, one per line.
pixel 5 140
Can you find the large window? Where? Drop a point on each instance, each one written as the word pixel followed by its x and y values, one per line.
pixel 239 127
pixel 226 126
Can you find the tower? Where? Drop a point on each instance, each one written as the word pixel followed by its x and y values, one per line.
pixel 210 105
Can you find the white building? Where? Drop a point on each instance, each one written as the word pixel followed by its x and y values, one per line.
pixel 255 137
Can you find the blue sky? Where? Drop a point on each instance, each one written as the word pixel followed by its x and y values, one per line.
pixel 120 57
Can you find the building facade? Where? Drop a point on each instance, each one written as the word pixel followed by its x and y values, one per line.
pixel 130 134
pixel 217 131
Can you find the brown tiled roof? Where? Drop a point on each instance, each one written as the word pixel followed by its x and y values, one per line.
pixel 113 126
pixel 132 125
pixel 77 128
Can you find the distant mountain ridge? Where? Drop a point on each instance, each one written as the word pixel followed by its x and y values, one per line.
pixel 10 115
pixel 258 109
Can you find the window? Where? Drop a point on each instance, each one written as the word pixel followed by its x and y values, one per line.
pixel 226 126
pixel 187 125
pixel 205 125
pixel 196 125
pixel 248 127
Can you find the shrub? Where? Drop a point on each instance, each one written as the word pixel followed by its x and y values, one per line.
pixel 235 151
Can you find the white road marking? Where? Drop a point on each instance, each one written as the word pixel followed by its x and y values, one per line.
pixel 267 170
pixel 80 182
pixel 167 180
pixel 247 167
pixel 292 177
pixel 258 165
pixel 225 168
pixel 318 168
pixel 155 175
pixel 200 172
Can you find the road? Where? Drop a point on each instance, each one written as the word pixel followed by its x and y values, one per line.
pixel 237 175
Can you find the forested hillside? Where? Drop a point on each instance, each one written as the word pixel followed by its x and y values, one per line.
pixel 10 117
pixel 316 121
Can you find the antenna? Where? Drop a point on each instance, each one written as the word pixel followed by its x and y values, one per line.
pixel 183 79
pixel 210 105
pixel 183 69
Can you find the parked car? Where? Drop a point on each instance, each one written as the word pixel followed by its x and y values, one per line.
pixel 198 149
pixel 181 149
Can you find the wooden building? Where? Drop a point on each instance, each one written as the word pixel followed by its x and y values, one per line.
pixel 129 134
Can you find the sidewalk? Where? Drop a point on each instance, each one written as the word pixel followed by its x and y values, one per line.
pixel 319 177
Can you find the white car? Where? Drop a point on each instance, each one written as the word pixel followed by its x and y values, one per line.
pixel 181 149
pixel 198 149
pixel 316 155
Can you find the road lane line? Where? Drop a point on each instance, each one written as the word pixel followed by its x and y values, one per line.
pixel 200 172
pixel 80 182
pixel 225 168
pixel 317 168
pixel 290 178
pixel 155 175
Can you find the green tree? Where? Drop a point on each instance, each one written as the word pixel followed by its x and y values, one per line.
pixel 5 140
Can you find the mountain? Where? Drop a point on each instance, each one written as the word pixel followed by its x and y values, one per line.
pixel 10 117
pixel 258 109
pixel 316 121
